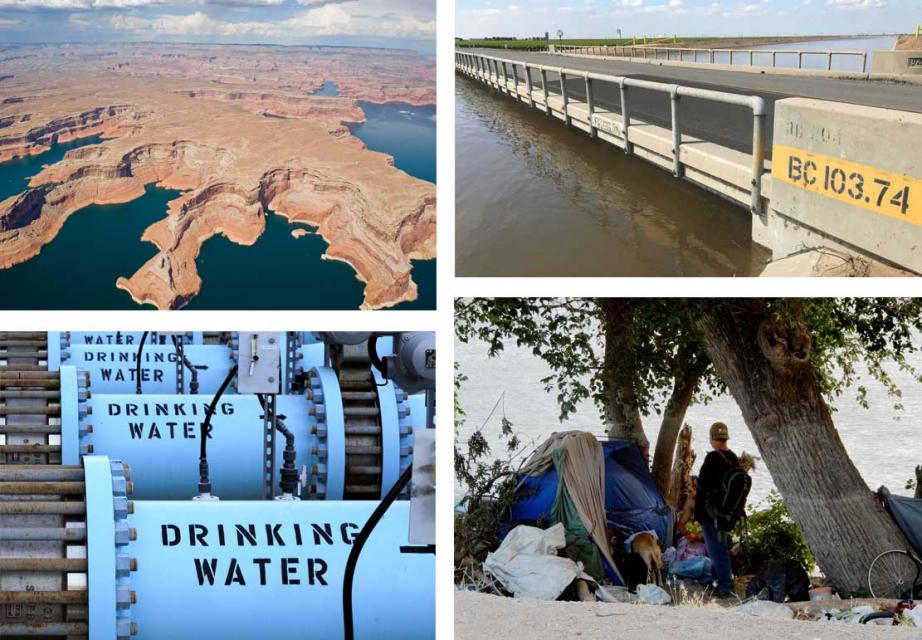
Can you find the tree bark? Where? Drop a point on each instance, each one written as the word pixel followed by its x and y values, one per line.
pixel 621 412
pixel 683 389
pixel 765 361
pixel 918 493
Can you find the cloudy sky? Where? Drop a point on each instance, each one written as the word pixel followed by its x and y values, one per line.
pixel 603 18
pixel 404 23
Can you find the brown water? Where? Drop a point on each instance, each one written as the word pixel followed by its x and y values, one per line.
pixel 536 199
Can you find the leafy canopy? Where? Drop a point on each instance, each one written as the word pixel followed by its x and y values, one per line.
pixel 851 338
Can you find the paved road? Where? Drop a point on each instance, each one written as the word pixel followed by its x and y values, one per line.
pixel 723 124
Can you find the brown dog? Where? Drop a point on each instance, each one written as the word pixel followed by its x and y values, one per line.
pixel 647 547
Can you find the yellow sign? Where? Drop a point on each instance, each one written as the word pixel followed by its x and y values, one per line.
pixel 883 192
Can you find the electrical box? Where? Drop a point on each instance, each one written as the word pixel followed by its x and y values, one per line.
pixel 422 489
pixel 259 362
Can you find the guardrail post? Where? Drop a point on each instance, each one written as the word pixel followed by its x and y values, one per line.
pixel 829 61
pixel 676 132
pixel 758 154
pixel 528 87
pixel 625 118
pixel 800 59
pixel 547 104
pixel 864 62
pixel 750 57
pixel 774 57
pixel 565 97
pixel 712 56
pixel 515 80
pixel 730 51
pixel 589 105
pixel 505 78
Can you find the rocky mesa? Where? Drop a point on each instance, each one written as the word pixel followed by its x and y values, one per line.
pixel 238 154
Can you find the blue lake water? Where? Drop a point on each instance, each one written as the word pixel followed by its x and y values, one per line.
pixel 78 269
pixel 328 89
pixel 403 131
pixel 16 173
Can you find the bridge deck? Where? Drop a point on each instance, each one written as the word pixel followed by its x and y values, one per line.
pixel 723 124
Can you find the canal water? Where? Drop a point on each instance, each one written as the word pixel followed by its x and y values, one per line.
pixel 811 61
pixel 278 272
pixel 536 199
pixel 534 416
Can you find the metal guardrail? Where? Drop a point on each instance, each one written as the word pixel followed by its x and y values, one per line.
pixel 709 56
pixel 496 70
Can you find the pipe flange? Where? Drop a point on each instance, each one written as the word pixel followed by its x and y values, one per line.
pixel 109 567
pixel 406 432
pixel 327 471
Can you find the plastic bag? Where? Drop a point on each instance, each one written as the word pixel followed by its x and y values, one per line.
pixel 692 568
pixel 611 593
pixel 767 609
pixel 652 594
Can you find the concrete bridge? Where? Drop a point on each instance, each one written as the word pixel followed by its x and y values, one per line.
pixel 861 193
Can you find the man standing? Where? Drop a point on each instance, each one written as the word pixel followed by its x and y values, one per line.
pixel 719 465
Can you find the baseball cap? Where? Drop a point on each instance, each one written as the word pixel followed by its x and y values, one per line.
pixel 719 431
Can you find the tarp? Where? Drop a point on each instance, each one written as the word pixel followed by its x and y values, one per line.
pixel 632 501
pixel 579 500
pixel 527 564
pixel 907 512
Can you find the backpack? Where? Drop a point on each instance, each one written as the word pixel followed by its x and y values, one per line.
pixel 727 504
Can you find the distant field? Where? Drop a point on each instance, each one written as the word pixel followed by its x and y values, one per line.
pixel 540 44
pixel 732 41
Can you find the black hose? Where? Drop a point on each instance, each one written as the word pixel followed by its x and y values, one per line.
pixel 376 361
pixel 364 534
pixel 193 384
pixel 288 480
pixel 204 483
pixel 137 373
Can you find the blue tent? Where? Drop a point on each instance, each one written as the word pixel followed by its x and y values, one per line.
pixel 632 501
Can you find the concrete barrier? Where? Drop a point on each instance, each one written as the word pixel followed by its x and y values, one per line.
pixel 846 177
pixel 897 63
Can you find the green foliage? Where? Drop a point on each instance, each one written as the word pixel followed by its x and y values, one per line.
pixel 569 335
pixel 769 535
pixel 489 482
pixel 853 340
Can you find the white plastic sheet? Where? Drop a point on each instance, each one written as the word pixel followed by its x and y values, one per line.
pixel 527 565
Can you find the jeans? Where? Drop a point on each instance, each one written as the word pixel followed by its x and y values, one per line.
pixel 719 553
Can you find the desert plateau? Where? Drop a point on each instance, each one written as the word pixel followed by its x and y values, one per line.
pixel 242 131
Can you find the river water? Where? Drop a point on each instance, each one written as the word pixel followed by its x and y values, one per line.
pixel 535 199
pixel 882 442
pixel 78 269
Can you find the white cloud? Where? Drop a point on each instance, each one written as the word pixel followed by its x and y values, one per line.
pixel 9 22
pixel 631 3
pixel 124 4
pixel 856 5
pixel 325 20
pixel 44 4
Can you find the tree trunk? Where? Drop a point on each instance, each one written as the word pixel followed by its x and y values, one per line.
pixel 765 361
pixel 918 493
pixel 683 388
pixel 621 412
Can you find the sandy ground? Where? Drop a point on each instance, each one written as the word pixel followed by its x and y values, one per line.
pixel 479 616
